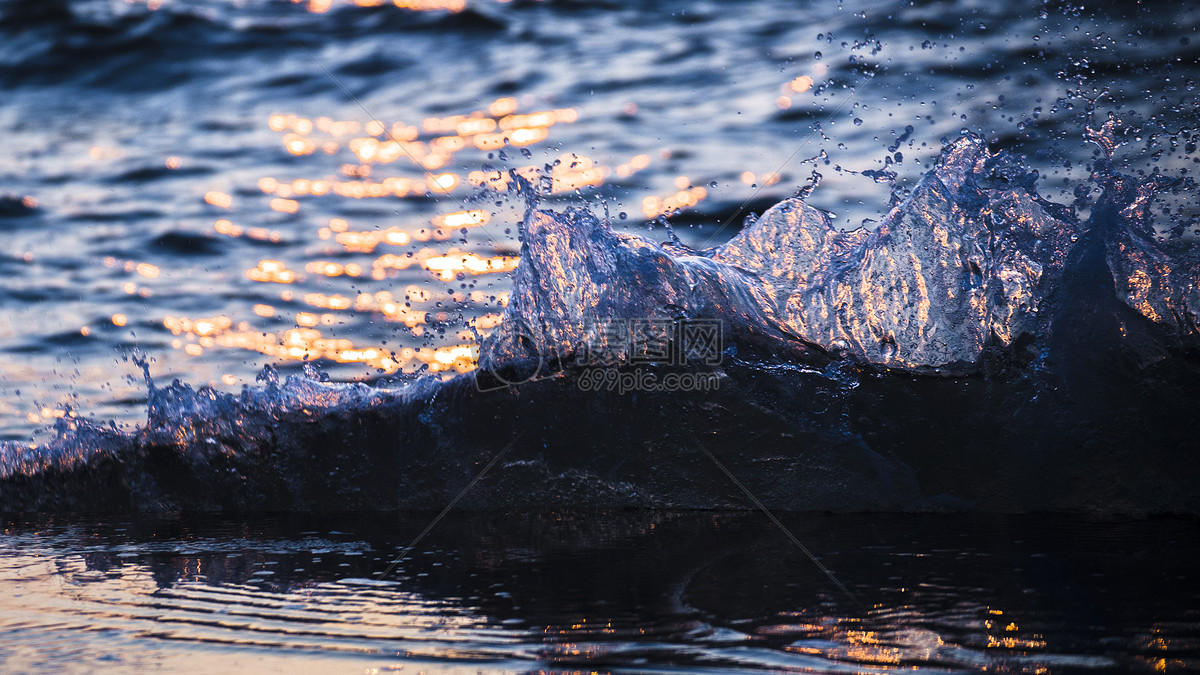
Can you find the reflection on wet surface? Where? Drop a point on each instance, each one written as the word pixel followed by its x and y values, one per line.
pixel 428 147
pixel 608 591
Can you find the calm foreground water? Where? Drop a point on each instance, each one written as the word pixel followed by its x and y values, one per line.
pixel 218 186
pixel 600 591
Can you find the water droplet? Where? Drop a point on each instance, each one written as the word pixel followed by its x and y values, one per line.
pixel 712 184
pixel 887 349
pixel 622 215
pixel 857 122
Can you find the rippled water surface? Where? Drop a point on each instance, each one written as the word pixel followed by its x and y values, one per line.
pixel 218 186
pixel 222 185
pixel 601 591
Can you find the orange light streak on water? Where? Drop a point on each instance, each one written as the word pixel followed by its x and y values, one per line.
pixel 218 199
pixel 455 262
pixel 653 207
pixel 271 271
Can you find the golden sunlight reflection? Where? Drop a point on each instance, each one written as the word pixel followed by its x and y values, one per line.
pixel 460 219
pixel 272 271
pixel 366 242
pixel 429 145
pixel 455 262
pixel 653 207
pixel 897 642
pixel 569 173
pixel 218 199
pixel 390 159
pixel 308 343
pixel 799 85
pixel 226 227
pixel 378 242
pixel 285 205
pixel 766 179
pixel 332 269
pixel 100 153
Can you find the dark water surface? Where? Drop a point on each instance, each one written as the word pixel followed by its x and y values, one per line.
pixel 219 186
pixel 600 592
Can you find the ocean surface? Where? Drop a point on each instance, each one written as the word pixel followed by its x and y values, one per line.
pixel 196 183
pixel 211 213
pixel 622 592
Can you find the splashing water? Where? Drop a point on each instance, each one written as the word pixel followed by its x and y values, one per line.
pixel 853 359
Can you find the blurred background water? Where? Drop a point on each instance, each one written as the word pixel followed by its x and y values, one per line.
pixel 221 185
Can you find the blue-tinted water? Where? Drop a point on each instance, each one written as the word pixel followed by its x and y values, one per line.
pixel 156 204
pixel 220 186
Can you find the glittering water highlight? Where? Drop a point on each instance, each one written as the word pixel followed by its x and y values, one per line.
pixel 338 260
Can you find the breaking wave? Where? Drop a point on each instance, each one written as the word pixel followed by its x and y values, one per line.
pixel 981 349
